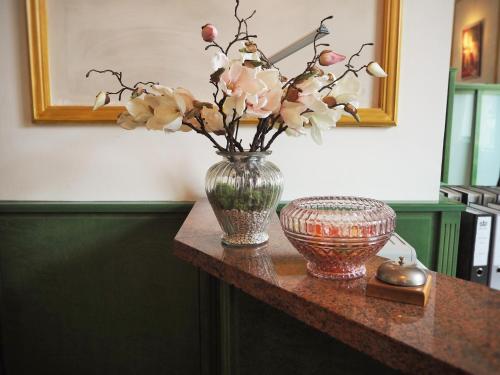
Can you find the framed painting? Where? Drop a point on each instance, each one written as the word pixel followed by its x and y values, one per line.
pixel 69 37
pixel 472 44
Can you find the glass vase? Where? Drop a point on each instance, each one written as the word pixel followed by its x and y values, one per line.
pixel 244 190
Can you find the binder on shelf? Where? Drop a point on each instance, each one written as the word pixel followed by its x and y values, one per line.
pixel 486 195
pixel 495 190
pixel 468 196
pixel 474 246
pixel 494 259
pixel 494 205
pixel 451 194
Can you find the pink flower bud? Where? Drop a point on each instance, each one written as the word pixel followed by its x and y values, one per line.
pixel 328 57
pixel 349 108
pixel 209 32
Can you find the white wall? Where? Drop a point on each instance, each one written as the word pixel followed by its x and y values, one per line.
pixel 41 162
pixel 468 13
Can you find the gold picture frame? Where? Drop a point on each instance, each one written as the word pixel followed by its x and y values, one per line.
pixel 385 114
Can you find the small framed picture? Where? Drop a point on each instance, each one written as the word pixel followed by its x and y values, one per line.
pixel 472 40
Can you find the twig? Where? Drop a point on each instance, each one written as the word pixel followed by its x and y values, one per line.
pixel 280 130
pixel 216 45
pixel 349 70
pixel 203 131
pixel 258 131
pixel 310 64
pixel 240 35
pixel 357 54
pixel 124 87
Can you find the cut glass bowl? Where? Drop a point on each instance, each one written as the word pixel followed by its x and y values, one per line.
pixel 337 235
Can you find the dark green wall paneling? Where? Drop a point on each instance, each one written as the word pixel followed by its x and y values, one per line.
pixel 92 288
pixel 96 294
pixel 419 229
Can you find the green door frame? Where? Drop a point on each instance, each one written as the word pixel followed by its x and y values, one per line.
pixel 479 90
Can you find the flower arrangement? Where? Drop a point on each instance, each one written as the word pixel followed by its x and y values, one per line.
pixel 249 85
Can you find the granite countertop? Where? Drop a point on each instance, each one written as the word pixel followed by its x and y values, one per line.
pixel 457 332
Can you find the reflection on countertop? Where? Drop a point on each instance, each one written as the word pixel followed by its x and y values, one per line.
pixel 254 260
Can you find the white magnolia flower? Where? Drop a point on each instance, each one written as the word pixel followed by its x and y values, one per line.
pixel 376 70
pixel 212 119
pixel 309 94
pixel 309 86
pixel 101 99
pixel 162 90
pixel 270 77
pixel 311 109
pixel 291 113
pixel 321 121
pixel 220 60
pixel 253 56
pixel 237 103
pixel 269 101
pixel 139 109
pixel 295 132
pixel 240 82
pixel 266 104
pixel 347 90
pixel 169 108
pixel 126 121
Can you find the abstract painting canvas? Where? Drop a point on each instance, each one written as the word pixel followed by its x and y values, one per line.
pixel 472 39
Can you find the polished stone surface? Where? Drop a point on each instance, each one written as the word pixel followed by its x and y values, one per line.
pixel 457 332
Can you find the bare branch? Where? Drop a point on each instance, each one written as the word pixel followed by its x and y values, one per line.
pixel 124 87
pixel 240 35
pixel 280 130
pixel 357 54
pixel 214 44
pixel 347 71
pixel 203 131
pixel 291 82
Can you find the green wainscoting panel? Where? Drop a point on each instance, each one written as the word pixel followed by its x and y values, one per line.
pixel 419 229
pixel 449 234
pixel 432 229
pixel 86 293
pixel 92 288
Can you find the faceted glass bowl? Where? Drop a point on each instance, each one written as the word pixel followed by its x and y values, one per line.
pixel 337 235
